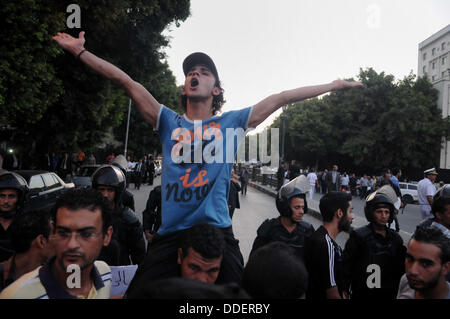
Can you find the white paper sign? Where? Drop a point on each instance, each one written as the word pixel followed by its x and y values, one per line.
pixel 121 278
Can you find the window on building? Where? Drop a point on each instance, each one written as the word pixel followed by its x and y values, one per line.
pixel 443 74
pixel 433 65
pixel 424 69
pixel 432 78
pixel 443 46
pixel 433 51
pixel 424 56
pixel 444 60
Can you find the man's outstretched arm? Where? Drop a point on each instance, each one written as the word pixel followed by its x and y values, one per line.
pixel 146 103
pixel 272 103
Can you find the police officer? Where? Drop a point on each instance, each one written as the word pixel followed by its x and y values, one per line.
pixel 13 189
pixel 374 254
pixel 289 226
pixel 127 197
pixel 151 216
pixel 127 229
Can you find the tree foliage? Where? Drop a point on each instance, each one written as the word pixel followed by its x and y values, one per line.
pixel 56 102
pixel 386 123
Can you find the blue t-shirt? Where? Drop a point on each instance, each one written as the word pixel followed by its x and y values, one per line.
pixel 198 157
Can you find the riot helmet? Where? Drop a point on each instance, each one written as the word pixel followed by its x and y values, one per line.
pixel 298 187
pixel 121 162
pixel 110 175
pixel 441 199
pixel 11 180
pixel 377 200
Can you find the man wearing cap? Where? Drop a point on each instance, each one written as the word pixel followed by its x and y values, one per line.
pixel 198 150
pixel 426 191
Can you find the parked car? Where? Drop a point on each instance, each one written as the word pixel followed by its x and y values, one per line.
pixel 82 176
pixel 45 189
pixel 409 192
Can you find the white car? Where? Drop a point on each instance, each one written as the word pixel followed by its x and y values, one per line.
pixel 409 192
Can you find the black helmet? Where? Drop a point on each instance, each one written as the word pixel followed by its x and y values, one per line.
pixel 295 188
pixel 110 175
pixel 375 200
pixel 13 180
pixel 441 199
pixel 121 162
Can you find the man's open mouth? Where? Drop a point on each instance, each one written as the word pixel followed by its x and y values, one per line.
pixel 194 82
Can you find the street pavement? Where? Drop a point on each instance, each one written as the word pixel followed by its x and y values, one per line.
pixel 259 204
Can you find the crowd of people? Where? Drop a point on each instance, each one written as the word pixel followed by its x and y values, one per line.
pixel 192 250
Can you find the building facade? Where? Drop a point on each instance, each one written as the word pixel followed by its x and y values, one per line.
pixel 434 63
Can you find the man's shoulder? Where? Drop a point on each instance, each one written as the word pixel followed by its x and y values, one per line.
pixel 102 268
pixel 29 286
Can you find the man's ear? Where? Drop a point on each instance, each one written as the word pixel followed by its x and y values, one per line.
pixel 339 213
pixel 40 241
pixel 180 256
pixel 446 268
pixel 216 91
pixel 107 236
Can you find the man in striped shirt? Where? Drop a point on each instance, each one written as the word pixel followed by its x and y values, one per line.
pixel 82 226
pixel 323 256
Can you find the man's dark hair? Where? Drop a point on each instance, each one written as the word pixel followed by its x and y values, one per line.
pixel 205 239
pixel 87 198
pixel 395 171
pixel 434 236
pixel 185 288
pixel 331 202
pixel 26 226
pixel 275 271
pixel 218 100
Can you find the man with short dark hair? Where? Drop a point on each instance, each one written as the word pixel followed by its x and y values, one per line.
pixel 200 253
pixel 323 255
pixel 275 271
pixel 30 238
pixel 427 264
pixel 82 223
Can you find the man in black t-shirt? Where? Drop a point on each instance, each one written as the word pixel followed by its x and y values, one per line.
pixel 323 256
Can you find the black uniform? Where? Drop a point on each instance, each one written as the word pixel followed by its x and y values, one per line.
pixel 233 198
pixel 366 247
pixel 6 249
pixel 127 243
pixel 273 230
pixel 151 216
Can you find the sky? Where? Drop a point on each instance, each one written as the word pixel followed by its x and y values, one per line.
pixel 262 47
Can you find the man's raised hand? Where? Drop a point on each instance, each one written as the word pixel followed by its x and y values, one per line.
pixel 69 43
pixel 342 84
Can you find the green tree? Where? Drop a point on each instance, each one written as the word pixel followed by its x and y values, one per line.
pixel 382 125
pixel 76 108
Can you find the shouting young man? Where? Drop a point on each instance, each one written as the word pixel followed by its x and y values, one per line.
pixel 198 149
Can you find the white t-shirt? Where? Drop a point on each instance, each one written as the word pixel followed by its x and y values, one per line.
pixel 406 292
pixel 425 188
pixel 312 178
